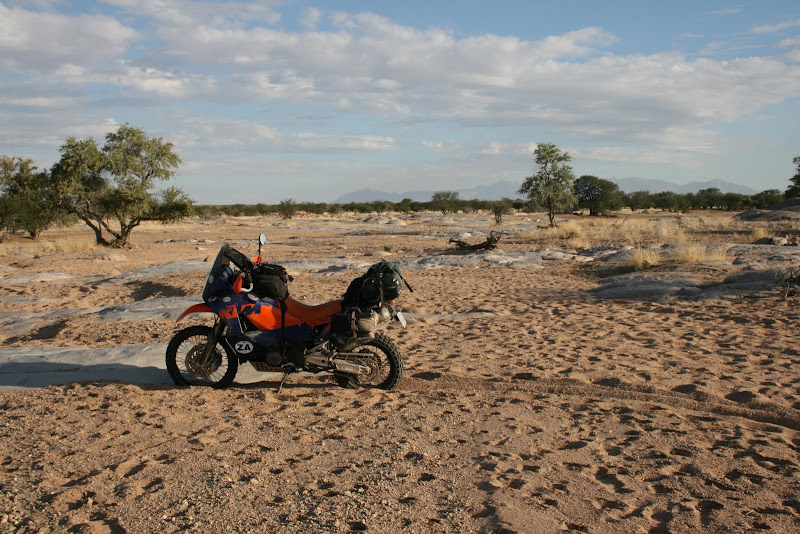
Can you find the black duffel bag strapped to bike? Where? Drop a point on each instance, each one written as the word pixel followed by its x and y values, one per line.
pixel 381 283
pixel 270 281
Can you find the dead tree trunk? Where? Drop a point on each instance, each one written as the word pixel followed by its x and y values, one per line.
pixel 489 244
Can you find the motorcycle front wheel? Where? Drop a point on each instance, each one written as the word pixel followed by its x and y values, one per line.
pixel 187 364
pixel 383 359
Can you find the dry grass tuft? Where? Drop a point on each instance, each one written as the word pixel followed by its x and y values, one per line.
pixel 698 252
pixel 580 242
pixel 759 232
pixel 644 232
pixel 642 258
pixel 569 230
pixel 67 245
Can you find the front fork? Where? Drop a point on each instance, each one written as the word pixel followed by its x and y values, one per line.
pixel 216 333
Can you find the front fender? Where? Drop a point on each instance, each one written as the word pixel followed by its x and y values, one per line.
pixel 197 308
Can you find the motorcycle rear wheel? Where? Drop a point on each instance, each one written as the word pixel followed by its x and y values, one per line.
pixel 383 357
pixel 184 360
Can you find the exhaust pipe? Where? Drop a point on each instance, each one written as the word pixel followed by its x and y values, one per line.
pixel 352 368
pixel 339 365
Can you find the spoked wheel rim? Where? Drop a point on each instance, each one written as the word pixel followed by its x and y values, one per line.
pixel 189 360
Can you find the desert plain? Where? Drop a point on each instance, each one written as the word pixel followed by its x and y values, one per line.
pixel 629 374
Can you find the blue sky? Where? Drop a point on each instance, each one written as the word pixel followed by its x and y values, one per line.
pixel 310 100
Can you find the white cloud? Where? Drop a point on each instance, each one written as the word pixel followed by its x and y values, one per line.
pixel 793 44
pixel 311 18
pixel 494 148
pixel 773 28
pixel 150 80
pixel 35 101
pixel 442 146
pixel 634 154
pixel 237 60
pixel 731 11
pixel 211 134
pixel 375 65
pixel 33 41
pixel 189 13
pixel 144 80
pixel 309 140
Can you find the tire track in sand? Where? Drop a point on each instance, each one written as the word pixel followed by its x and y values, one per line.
pixel 610 388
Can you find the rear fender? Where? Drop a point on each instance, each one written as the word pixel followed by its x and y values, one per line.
pixel 197 308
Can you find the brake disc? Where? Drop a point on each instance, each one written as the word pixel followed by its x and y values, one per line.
pixel 195 365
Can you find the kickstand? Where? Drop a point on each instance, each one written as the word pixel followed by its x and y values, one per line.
pixel 287 370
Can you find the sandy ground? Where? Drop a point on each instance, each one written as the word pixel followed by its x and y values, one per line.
pixel 528 404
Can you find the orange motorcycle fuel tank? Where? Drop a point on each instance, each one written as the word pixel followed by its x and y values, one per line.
pixel 254 325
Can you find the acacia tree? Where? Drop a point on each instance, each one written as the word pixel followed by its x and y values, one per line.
pixel 597 194
pixel 112 189
pixel 444 201
pixel 639 200
pixel 767 198
pixel 551 185
pixel 794 189
pixel 27 201
pixel 711 198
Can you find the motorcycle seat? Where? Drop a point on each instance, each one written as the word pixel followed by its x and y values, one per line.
pixel 313 314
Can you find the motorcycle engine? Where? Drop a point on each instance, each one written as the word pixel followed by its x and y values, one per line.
pixel 273 358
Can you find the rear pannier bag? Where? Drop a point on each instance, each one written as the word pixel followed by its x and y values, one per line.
pixel 271 281
pixel 354 326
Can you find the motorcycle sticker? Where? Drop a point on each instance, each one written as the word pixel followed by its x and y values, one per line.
pixel 243 347
pixel 228 312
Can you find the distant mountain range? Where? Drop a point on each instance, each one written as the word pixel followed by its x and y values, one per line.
pixel 505 189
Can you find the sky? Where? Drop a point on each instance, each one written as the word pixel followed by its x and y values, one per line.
pixel 270 100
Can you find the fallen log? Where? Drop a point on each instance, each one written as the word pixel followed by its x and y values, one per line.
pixel 489 244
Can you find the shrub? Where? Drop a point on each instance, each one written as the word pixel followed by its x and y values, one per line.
pixel 287 208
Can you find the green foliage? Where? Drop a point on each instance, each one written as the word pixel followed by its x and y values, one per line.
pixel 287 208
pixel 736 202
pixel 639 200
pixel 380 206
pixel 111 189
pixel 444 201
pixel 172 205
pixel 551 185
pixel 404 205
pixel 597 195
pixel 27 201
pixel 766 198
pixel 711 198
pixel 501 208
pixel 667 200
pixel 794 189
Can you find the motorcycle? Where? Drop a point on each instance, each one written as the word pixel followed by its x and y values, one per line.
pixel 256 321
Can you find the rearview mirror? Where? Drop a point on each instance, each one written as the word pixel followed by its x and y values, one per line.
pixel 262 239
